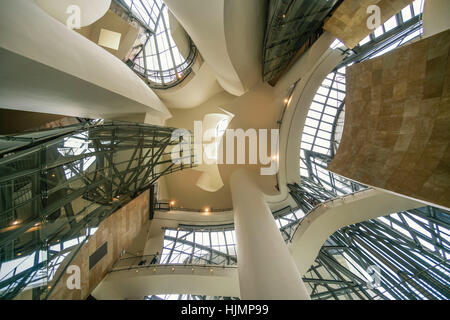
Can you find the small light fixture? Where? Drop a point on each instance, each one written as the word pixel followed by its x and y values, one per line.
pixel 154 269
pixel 193 270
pixel 206 210
pixel 15 223
pixel 172 203
pixel 137 271
pixel 173 269
pixel 211 270
pixel 286 100
pixel 284 16
pixel 19 254
pixel 49 287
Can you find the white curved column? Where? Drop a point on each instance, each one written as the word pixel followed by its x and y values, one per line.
pixel 266 268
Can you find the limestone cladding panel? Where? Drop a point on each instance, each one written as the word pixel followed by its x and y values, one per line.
pixel 397 122
pixel 349 22
pixel 119 230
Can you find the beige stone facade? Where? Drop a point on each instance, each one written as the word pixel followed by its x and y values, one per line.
pixel 397 122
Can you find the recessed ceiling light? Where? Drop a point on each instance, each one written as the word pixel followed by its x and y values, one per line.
pixel 109 39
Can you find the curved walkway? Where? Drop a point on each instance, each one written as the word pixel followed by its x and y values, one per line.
pixel 328 217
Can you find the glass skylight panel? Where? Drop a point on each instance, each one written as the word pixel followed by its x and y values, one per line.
pixel 390 24
pixel 406 13
pixel 164 62
pixel 378 31
pixel 364 41
pixel 418 6
pixel 336 44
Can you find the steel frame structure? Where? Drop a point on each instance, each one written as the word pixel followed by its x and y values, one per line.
pixel 56 186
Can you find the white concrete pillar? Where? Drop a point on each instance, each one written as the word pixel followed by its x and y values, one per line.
pixel 265 266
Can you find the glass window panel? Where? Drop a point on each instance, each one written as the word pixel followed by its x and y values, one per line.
pixel 330 110
pixel 307 138
pixel 364 41
pixel 317 107
pixel 314 114
pixel 390 24
pixel 310 131
pixel 378 31
pixel 406 13
pixel 418 6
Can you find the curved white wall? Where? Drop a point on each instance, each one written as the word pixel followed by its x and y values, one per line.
pixel 229 35
pixel 129 284
pixel 27 30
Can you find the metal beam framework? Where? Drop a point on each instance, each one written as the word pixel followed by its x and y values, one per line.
pixel 292 27
pixel 56 186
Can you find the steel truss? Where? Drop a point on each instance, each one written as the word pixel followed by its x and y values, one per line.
pixel 56 186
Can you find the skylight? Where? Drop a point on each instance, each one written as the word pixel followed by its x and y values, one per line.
pixel 159 61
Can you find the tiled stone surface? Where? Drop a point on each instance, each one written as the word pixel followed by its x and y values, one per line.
pixel 349 22
pixel 119 229
pixel 397 121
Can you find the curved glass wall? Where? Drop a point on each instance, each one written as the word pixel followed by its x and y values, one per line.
pixel 159 61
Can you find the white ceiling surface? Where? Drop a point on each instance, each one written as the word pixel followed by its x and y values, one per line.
pixel 436 17
pixel 27 30
pixel 229 36
pixel 323 221
pixel 91 10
